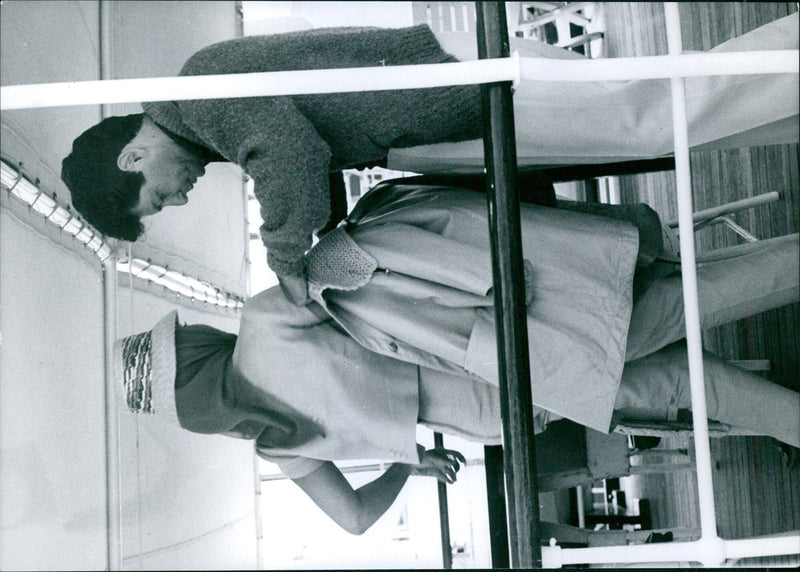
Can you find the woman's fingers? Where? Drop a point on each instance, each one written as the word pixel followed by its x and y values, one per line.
pixel 446 463
pixel 449 454
pixel 447 475
pixel 455 455
pixel 450 468
pixel 443 464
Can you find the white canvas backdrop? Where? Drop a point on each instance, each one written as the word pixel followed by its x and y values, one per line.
pixel 187 500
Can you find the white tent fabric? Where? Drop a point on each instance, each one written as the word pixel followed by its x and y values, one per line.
pixel 597 122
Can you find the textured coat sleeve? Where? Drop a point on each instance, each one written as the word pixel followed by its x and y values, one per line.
pixel 281 150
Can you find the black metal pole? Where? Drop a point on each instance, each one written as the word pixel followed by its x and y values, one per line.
pixel 496 502
pixel 444 514
pixel 509 295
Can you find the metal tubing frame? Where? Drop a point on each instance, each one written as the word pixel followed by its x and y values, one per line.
pixel 509 296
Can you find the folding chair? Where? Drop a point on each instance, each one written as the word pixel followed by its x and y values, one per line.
pixel 576 26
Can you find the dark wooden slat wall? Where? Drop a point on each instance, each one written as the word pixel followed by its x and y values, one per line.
pixel 755 493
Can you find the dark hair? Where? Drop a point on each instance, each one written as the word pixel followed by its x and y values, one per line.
pixel 100 191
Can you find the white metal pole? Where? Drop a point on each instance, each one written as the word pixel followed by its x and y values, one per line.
pixel 340 80
pixel 697 551
pixel 765 546
pixel 661 67
pixel 113 498
pixel 257 513
pixel 705 486
pixel 110 286
pixel 393 77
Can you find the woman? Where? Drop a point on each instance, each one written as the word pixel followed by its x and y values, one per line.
pixel 402 332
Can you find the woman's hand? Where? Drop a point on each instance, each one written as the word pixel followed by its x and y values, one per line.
pixel 440 463
pixel 295 288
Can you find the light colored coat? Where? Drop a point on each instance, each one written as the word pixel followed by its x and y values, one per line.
pixel 411 285
pixel 430 302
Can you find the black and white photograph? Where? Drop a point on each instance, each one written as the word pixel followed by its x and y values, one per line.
pixel 322 285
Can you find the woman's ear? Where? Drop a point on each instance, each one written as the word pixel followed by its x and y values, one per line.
pixel 129 158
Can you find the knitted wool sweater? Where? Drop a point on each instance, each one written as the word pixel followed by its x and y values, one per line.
pixel 289 144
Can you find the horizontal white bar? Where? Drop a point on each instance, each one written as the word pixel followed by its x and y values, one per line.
pixel 659 67
pixel 775 545
pixel 340 80
pixel 708 551
pixel 393 77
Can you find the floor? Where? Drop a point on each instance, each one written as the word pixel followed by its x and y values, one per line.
pixel 755 494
